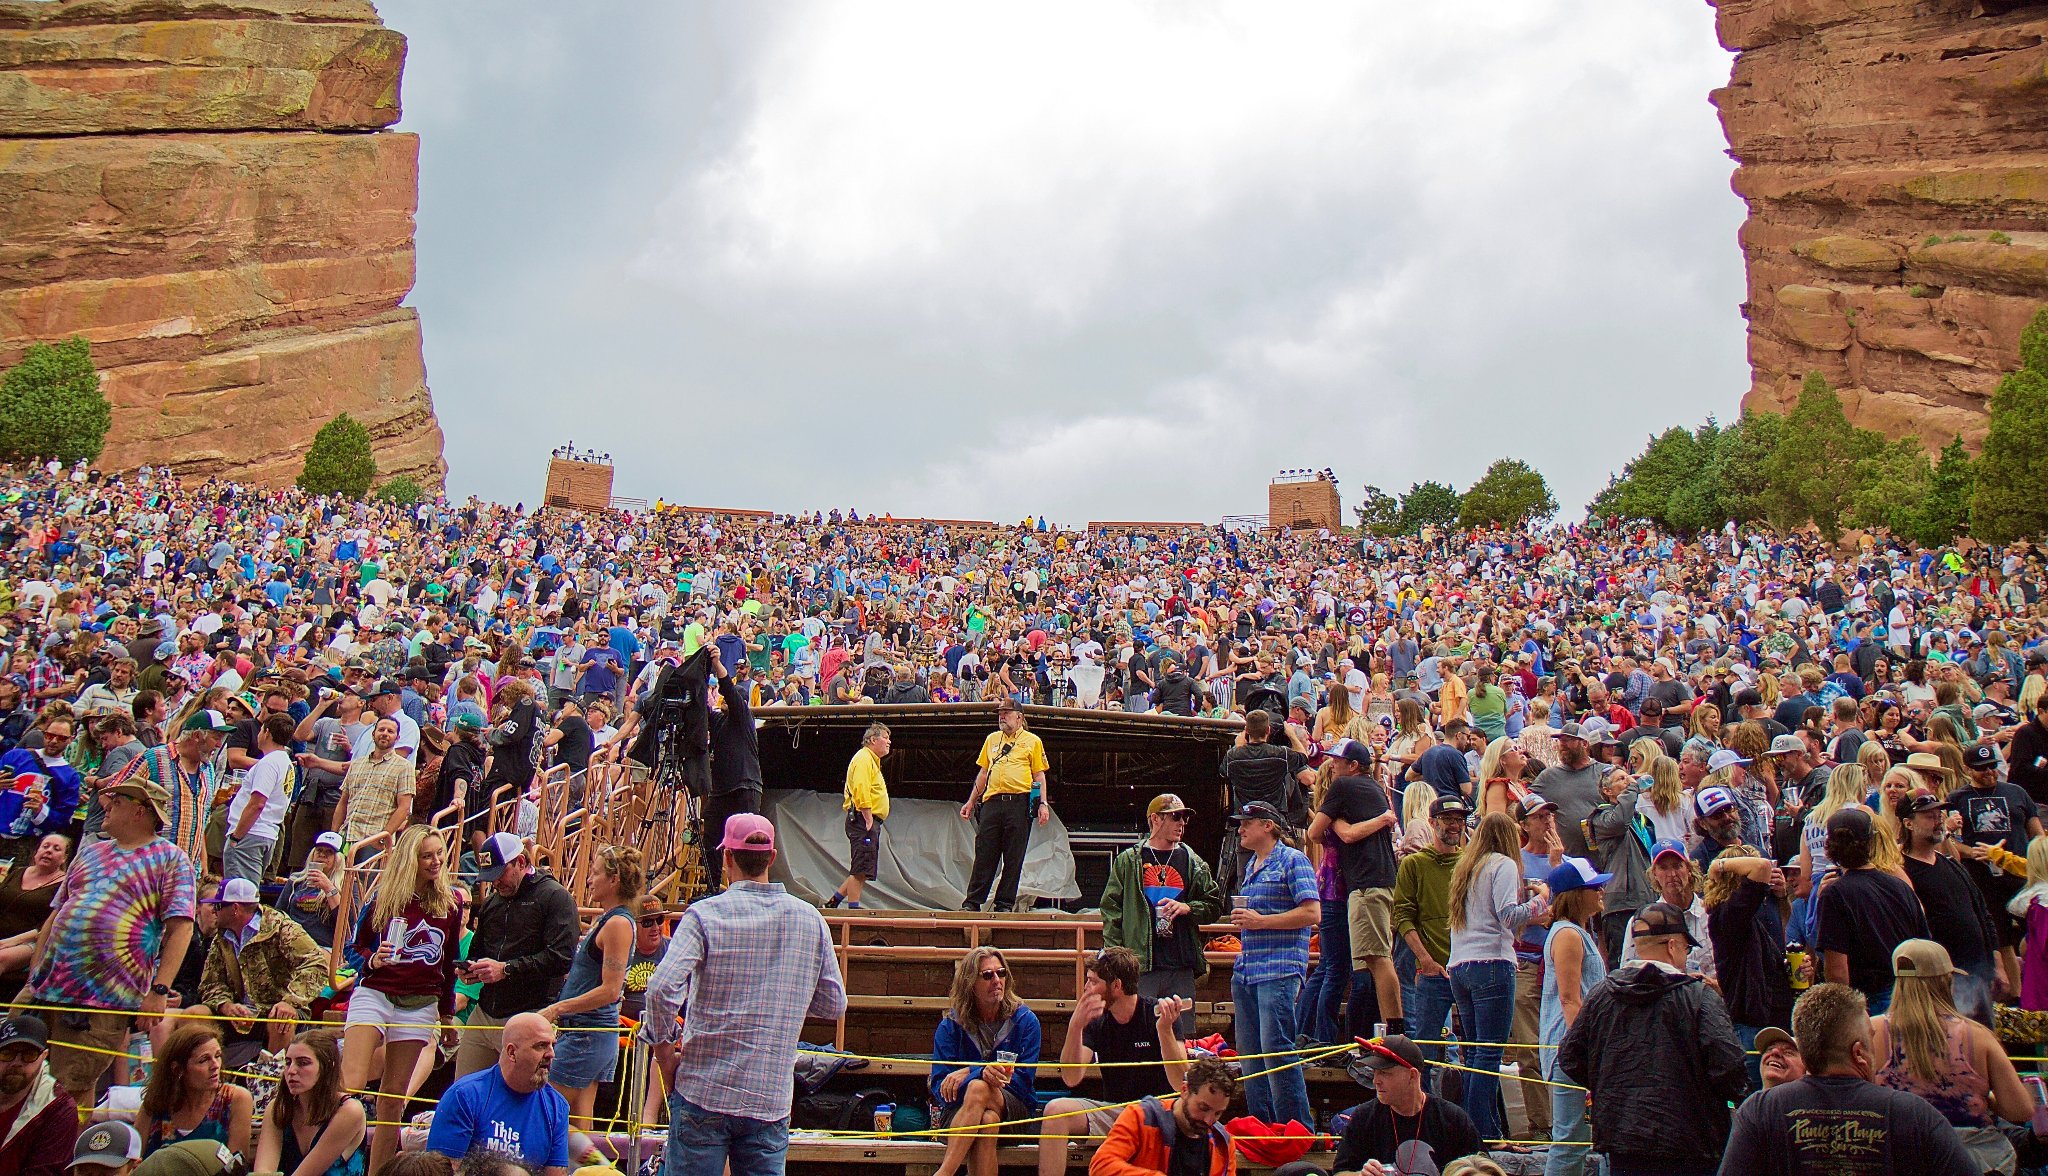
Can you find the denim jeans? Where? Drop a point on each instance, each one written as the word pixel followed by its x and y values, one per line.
pixel 702 1143
pixel 1752 1064
pixel 1428 1017
pixel 1485 993
pixel 1323 995
pixel 1567 1129
pixel 1265 1024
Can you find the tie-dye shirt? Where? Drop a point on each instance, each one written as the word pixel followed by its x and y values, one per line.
pixel 107 927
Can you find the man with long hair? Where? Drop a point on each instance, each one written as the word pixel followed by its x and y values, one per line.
pixel 982 1054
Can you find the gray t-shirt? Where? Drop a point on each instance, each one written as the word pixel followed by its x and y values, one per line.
pixel 1575 793
pixel 115 762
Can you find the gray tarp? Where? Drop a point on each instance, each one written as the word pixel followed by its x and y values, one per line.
pixel 927 853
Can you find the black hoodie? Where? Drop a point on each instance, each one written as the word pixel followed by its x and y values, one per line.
pixel 1175 693
pixel 1657 1051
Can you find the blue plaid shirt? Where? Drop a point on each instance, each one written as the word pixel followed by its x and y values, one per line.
pixel 1275 886
pixel 750 964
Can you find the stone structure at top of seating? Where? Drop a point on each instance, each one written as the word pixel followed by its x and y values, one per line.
pixel 1894 156
pixel 206 191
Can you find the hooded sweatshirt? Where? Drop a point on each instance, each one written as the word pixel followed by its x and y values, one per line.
pixel 1659 1056
pixel 43 1132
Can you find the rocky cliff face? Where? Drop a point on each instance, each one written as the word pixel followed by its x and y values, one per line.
pixel 205 191
pixel 1894 155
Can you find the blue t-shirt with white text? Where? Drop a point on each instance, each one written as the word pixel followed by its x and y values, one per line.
pixel 481 1113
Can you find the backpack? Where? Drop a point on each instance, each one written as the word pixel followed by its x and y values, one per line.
pixel 831 1110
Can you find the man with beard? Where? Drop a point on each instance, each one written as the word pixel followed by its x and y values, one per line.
pixel 509 1108
pixel 1956 911
pixel 1422 917
pixel 38 1119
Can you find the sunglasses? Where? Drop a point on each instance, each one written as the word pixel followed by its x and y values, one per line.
pixel 996 974
pixel 1178 816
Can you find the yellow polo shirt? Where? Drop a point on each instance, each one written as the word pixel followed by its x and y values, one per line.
pixel 865 788
pixel 1010 774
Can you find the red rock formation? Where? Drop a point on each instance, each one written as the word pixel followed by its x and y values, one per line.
pixel 205 191
pixel 1882 144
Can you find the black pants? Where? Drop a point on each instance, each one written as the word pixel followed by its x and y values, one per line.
pixel 715 809
pixel 1002 832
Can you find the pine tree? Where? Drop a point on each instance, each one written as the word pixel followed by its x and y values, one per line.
pixel 1811 472
pixel 2007 502
pixel 339 460
pixel 51 405
pixel 1945 512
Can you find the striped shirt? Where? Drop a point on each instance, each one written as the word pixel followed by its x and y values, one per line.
pixel 751 964
pixel 1275 886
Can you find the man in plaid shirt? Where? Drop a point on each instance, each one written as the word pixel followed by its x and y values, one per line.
pixel 751 964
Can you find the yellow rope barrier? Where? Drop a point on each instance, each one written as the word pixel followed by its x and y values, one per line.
pixel 462 1027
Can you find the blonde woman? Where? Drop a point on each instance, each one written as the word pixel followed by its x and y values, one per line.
pixel 587 1052
pixel 1538 739
pixel 1846 788
pixel 1338 721
pixel 1874 760
pixel 1505 770
pixel 1379 701
pixel 1924 1046
pixel 1668 804
pixel 1706 728
pixel 1415 824
pixel 409 982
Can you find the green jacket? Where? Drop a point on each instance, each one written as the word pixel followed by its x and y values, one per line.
pixel 1422 899
pixel 282 963
pixel 1127 913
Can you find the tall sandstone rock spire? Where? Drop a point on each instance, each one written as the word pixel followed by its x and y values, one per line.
pixel 1894 155
pixel 205 190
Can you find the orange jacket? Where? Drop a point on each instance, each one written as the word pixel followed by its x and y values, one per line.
pixel 1139 1144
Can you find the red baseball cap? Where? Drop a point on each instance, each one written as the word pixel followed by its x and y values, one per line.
pixel 745 831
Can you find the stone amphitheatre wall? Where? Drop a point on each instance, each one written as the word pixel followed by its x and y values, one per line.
pixel 1894 156
pixel 205 190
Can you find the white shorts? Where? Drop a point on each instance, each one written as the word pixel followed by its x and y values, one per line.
pixel 367 1006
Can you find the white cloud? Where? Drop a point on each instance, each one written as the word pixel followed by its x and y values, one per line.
pixel 1129 258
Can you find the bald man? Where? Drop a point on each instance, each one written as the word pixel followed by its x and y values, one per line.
pixel 509 1108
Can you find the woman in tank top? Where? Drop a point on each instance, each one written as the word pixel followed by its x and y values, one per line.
pixel 311 1127
pixel 587 1050
pixel 1925 1047
pixel 186 1099
pixel 1572 965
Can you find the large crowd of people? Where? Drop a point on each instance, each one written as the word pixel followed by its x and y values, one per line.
pixel 1729 843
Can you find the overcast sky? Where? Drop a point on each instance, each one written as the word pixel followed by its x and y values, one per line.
pixel 1095 260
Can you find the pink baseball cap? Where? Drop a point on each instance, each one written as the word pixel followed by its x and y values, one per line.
pixel 745 831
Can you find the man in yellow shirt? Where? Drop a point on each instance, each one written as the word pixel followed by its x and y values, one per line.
pixel 867 806
pixel 1002 807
